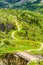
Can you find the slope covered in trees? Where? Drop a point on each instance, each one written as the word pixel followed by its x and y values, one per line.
pixel 20 30
pixel 33 5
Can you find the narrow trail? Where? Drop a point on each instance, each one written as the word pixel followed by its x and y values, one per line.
pixel 41 47
pixel 13 33
pixel 2 42
pixel 27 56
pixel 17 25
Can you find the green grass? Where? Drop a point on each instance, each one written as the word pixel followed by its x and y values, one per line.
pixel 37 52
pixel 20 45
pixel 36 63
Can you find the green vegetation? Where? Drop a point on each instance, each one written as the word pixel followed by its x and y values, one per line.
pixel 37 52
pixel 33 5
pixel 20 30
pixel 36 63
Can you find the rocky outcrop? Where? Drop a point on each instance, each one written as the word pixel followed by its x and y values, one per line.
pixel 11 59
pixel 3 62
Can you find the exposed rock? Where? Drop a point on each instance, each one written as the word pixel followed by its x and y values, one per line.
pixel 3 62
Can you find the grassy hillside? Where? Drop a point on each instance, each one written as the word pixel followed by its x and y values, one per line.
pixel 15 19
pixel 36 63
pixel 33 5
pixel 20 30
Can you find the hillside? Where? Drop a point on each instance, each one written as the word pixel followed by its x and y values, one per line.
pixel 21 30
pixel 20 26
pixel 33 5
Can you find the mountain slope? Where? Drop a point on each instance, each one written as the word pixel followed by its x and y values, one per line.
pixel 15 20
pixel 20 30
pixel 22 4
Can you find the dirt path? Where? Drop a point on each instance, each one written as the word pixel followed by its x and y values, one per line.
pixel 41 47
pixel 17 24
pixel 27 56
pixel 13 33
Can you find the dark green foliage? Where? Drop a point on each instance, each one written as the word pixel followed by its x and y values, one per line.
pixel 34 5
